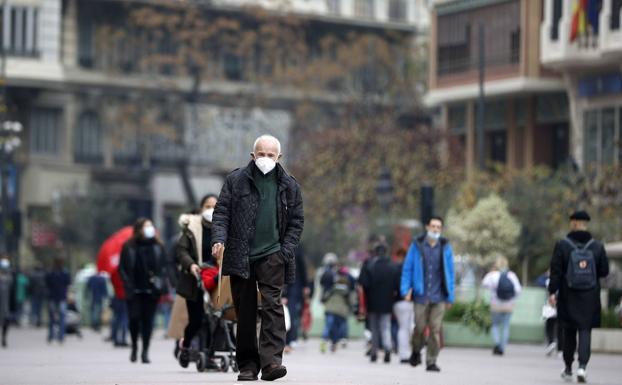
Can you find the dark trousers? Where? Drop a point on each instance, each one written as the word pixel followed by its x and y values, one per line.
pixel 195 319
pixel 570 345
pixel 554 332
pixel 5 330
pixel 295 315
pixel 267 275
pixel 142 308
pixel 118 326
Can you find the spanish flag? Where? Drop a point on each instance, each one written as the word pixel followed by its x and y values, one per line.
pixel 578 26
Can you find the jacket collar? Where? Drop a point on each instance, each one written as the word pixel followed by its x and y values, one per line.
pixel 421 239
pixel 281 175
pixel 582 237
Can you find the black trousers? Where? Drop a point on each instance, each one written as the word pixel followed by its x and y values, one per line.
pixel 267 275
pixel 142 308
pixel 195 319
pixel 570 345
pixel 554 332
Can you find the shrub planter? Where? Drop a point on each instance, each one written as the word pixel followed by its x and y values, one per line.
pixel 457 334
pixel 607 340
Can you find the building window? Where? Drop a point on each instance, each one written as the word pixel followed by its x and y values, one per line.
pixel 397 10
pixel 45 131
pixel 457 119
pixel 364 8
pixel 334 6
pixel 233 67
pixel 19 30
pixel 603 131
pixel 458 36
pixel 557 15
pixel 616 8
pixel 88 139
pixel 497 142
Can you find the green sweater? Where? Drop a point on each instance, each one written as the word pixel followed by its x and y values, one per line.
pixel 266 240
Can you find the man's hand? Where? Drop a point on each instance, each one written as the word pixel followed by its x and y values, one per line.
pixel 553 300
pixel 195 270
pixel 448 305
pixel 217 250
pixel 284 301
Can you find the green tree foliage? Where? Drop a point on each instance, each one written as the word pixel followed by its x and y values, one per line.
pixel 485 231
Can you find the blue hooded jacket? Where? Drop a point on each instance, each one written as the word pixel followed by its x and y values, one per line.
pixel 412 270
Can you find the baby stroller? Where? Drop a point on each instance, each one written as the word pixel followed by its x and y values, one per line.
pixel 214 349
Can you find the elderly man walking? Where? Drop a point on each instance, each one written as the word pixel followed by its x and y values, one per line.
pixel 258 221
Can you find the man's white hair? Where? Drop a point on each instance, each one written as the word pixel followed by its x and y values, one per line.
pixel 270 138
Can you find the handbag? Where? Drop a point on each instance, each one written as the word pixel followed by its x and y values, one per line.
pixel 548 311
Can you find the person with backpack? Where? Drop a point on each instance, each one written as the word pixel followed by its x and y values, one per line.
pixel 578 262
pixel 504 289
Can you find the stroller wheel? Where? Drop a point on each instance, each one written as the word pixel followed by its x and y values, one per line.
pixel 201 362
pixel 234 365
pixel 224 364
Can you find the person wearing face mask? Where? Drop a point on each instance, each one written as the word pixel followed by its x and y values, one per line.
pixel 193 252
pixel 257 225
pixel 428 279
pixel 142 268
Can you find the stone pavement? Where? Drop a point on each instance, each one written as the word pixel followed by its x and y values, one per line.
pixel 29 360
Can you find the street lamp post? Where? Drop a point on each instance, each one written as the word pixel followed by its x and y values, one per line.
pixel 9 142
pixel 384 189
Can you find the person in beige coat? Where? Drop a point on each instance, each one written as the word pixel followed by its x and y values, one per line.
pixel 193 249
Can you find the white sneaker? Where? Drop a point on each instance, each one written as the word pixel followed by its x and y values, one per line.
pixel 550 348
pixel 566 376
pixel 581 376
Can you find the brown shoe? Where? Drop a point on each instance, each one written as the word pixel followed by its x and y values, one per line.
pixel 273 372
pixel 247 375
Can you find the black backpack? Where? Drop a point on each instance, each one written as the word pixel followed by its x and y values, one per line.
pixel 505 287
pixel 581 271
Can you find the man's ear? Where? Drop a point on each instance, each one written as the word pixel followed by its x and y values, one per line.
pixel 279 157
pixel 252 155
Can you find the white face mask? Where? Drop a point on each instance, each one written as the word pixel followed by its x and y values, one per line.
pixel 208 214
pixel 149 232
pixel 265 164
pixel 434 236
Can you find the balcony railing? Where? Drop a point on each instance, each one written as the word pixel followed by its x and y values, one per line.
pixel 560 44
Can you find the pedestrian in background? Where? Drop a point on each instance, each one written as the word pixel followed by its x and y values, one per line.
pixel 6 281
pixel 578 262
pixel 57 282
pixel 338 300
pixel 378 281
pixel 37 294
pixel 97 292
pixel 552 328
pixel 143 270
pixel 293 298
pixel 21 283
pixel 404 312
pixel 428 278
pixel 257 225
pixel 504 288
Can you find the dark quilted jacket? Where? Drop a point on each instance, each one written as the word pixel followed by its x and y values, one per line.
pixel 235 214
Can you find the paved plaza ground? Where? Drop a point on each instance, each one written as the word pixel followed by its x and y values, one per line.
pixel 30 360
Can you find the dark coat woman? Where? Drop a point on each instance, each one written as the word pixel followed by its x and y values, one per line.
pixel 143 269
